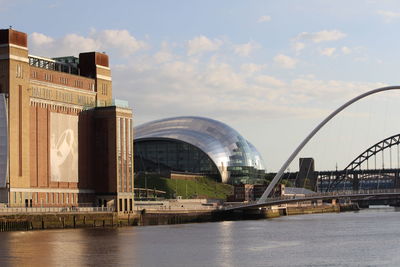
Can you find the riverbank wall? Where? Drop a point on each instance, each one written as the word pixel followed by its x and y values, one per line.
pixel 164 218
pixel 14 222
pixel 267 213
pixel 24 222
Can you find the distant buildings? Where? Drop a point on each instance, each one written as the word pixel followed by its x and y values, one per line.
pixel 198 146
pixel 252 192
pixel 63 140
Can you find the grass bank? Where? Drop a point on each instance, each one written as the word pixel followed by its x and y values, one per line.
pixel 199 187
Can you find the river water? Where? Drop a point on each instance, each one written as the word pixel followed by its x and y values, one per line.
pixel 366 238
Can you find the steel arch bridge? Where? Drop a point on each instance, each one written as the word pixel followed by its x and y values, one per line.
pixel 373 150
pixel 359 168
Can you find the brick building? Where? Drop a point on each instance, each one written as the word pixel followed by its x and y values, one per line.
pixel 63 140
pixel 247 192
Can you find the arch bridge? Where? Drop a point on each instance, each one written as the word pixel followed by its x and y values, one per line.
pixel 367 171
pixel 264 198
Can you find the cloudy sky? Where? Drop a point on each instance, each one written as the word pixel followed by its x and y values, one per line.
pixel 270 69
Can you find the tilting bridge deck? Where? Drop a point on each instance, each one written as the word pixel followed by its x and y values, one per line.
pixel 345 195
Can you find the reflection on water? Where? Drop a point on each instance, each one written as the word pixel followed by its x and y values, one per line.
pixel 225 241
pixel 366 238
pixel 81 247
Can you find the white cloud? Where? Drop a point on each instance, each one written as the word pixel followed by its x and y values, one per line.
pixel 119 41
pixel 264 18
pixel 346 50
pixel 211 87
pixel 298 46
pixel 251 68
pixel 330 90
pixel 164 55
pixel 269 81
pixel 202 44
pixel 245 49
pixel 165 83
pixel 389 16
pixel 73 42
pixel 222 75
pixel 322 36
pixel 39 39
pixel 329 51
pixel 285 61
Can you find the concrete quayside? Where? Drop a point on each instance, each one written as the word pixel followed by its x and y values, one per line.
pixel 41 220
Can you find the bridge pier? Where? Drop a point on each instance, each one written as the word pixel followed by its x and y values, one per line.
pixel 396 180
pixel 356 182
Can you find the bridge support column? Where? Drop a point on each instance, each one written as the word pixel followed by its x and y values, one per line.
pixel 396 180
pixel 356 182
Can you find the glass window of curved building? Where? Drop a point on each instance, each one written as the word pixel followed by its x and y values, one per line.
pixel 197 145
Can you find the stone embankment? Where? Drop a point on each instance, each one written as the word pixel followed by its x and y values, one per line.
pixel 41 221
pixel 24 221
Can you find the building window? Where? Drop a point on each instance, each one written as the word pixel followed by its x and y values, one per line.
pixel 78 83
pixel 20 73
pixel 48 77
pixel 63 80
pixel 104 89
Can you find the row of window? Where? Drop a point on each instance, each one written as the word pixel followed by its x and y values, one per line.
pixel 78 83
pixel 124 154
pixel 49 198
pixel 123 205
pixel 49 77
pixel 55 107
pixel 104 89
pixel 20 71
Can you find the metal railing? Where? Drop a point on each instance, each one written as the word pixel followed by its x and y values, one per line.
pixel 309 197
pixel 337 193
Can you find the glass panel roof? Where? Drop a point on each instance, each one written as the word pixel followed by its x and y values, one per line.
pixel 224 145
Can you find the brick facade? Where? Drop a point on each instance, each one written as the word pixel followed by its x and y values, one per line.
pixel 36 89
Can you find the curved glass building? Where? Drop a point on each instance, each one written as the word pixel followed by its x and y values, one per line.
pixel 197 145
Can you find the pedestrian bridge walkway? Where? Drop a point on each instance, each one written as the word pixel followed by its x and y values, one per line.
pixel 338 195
